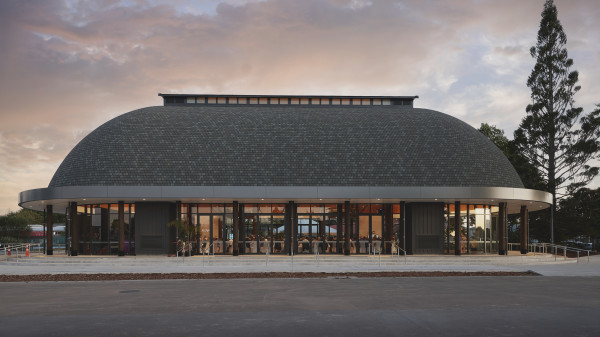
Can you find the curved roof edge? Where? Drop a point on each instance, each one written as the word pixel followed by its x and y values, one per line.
pixel 60 196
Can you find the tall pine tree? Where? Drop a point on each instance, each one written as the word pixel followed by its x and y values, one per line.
pixel 555 135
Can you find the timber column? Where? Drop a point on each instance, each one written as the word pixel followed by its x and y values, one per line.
pixel 236 228
pixel 388 224
pixel 524 229
pixel 74 229
pixel 49 231
pixel 402 228
pixel 121 228
pixel 502 229
pixel 347 228
pixel 457 229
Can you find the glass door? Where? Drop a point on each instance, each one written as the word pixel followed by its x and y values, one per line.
pixel 203 233
pixel 376 233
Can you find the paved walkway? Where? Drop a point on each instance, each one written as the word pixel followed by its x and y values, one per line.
pixel 544 264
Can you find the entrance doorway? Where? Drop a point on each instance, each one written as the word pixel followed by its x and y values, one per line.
pixel 370 234
pixel 210 234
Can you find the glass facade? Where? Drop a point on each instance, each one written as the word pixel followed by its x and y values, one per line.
pixel 476 225
pixel 306 229
pixel 98 232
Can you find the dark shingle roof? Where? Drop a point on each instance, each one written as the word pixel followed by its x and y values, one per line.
pixel 261 145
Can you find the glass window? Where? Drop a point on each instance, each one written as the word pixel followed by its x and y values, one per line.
pixel 385 102
pixel 278 232
pixel 250 208
pixel 217 230
pixel 263 100
pixel 284 100
pixel 295 100
pixel 317 227
pixel 377 227
pixel 303 226
pixel 232 100
pixel 304 101
pixel 265 230
pixel 364 208
pixel 217 208
pixel 377 208
pixel 242 100
pixel 190 100
pixel 363 228
pixel 264 208
pixel 203 208
pixel 253 100
pixel 200 100
pixel 114 208
pixel 274 100
pixel 345 101
pixel 315 100
pixel 204 227
pixel 303 208
pixel 250 230
pixel 222 100
pixel 212 100
pixel 366 101
pixel 278 208
pixel 331 208
pixel 376 101
pixel 317 208
pixel 356 101
pixel 335 101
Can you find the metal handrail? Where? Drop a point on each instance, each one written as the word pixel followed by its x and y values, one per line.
pixel 544 248
pixel 267 253
pixel 17 247
pixel 398 249
pixel 207 253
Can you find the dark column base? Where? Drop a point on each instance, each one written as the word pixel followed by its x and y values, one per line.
pixel 346 252
pixel 49 252
pixel 502 252
pixel 74 253
pixel 236 252
pixel 121 253
pixel 523 251
pixel 457 252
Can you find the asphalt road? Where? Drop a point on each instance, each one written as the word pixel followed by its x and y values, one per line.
pixel 444 306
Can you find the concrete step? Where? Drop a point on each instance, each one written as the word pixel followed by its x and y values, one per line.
pixel 308 260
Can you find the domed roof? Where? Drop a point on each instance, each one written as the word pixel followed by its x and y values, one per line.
pixel 285 145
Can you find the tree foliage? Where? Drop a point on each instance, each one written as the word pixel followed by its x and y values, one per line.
pixel 529 174
pixel 186 233
pixel 555 136
pixel 580 212
pixel 14 227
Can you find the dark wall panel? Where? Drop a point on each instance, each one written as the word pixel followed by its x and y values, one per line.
pixel 151 220
pixel 427 223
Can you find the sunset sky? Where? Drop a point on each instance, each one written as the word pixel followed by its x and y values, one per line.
pixel 68 66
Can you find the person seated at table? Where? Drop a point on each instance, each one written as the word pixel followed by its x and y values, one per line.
pixel 305 245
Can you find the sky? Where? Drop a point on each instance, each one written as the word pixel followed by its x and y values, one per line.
pixel 68 66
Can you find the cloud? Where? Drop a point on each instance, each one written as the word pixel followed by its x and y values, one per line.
pixel 69 66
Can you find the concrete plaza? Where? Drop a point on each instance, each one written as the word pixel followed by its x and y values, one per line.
pixel 563 302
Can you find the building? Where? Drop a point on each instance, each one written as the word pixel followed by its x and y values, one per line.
pixel 341 174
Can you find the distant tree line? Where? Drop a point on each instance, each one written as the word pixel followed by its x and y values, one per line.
pixel 14 227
